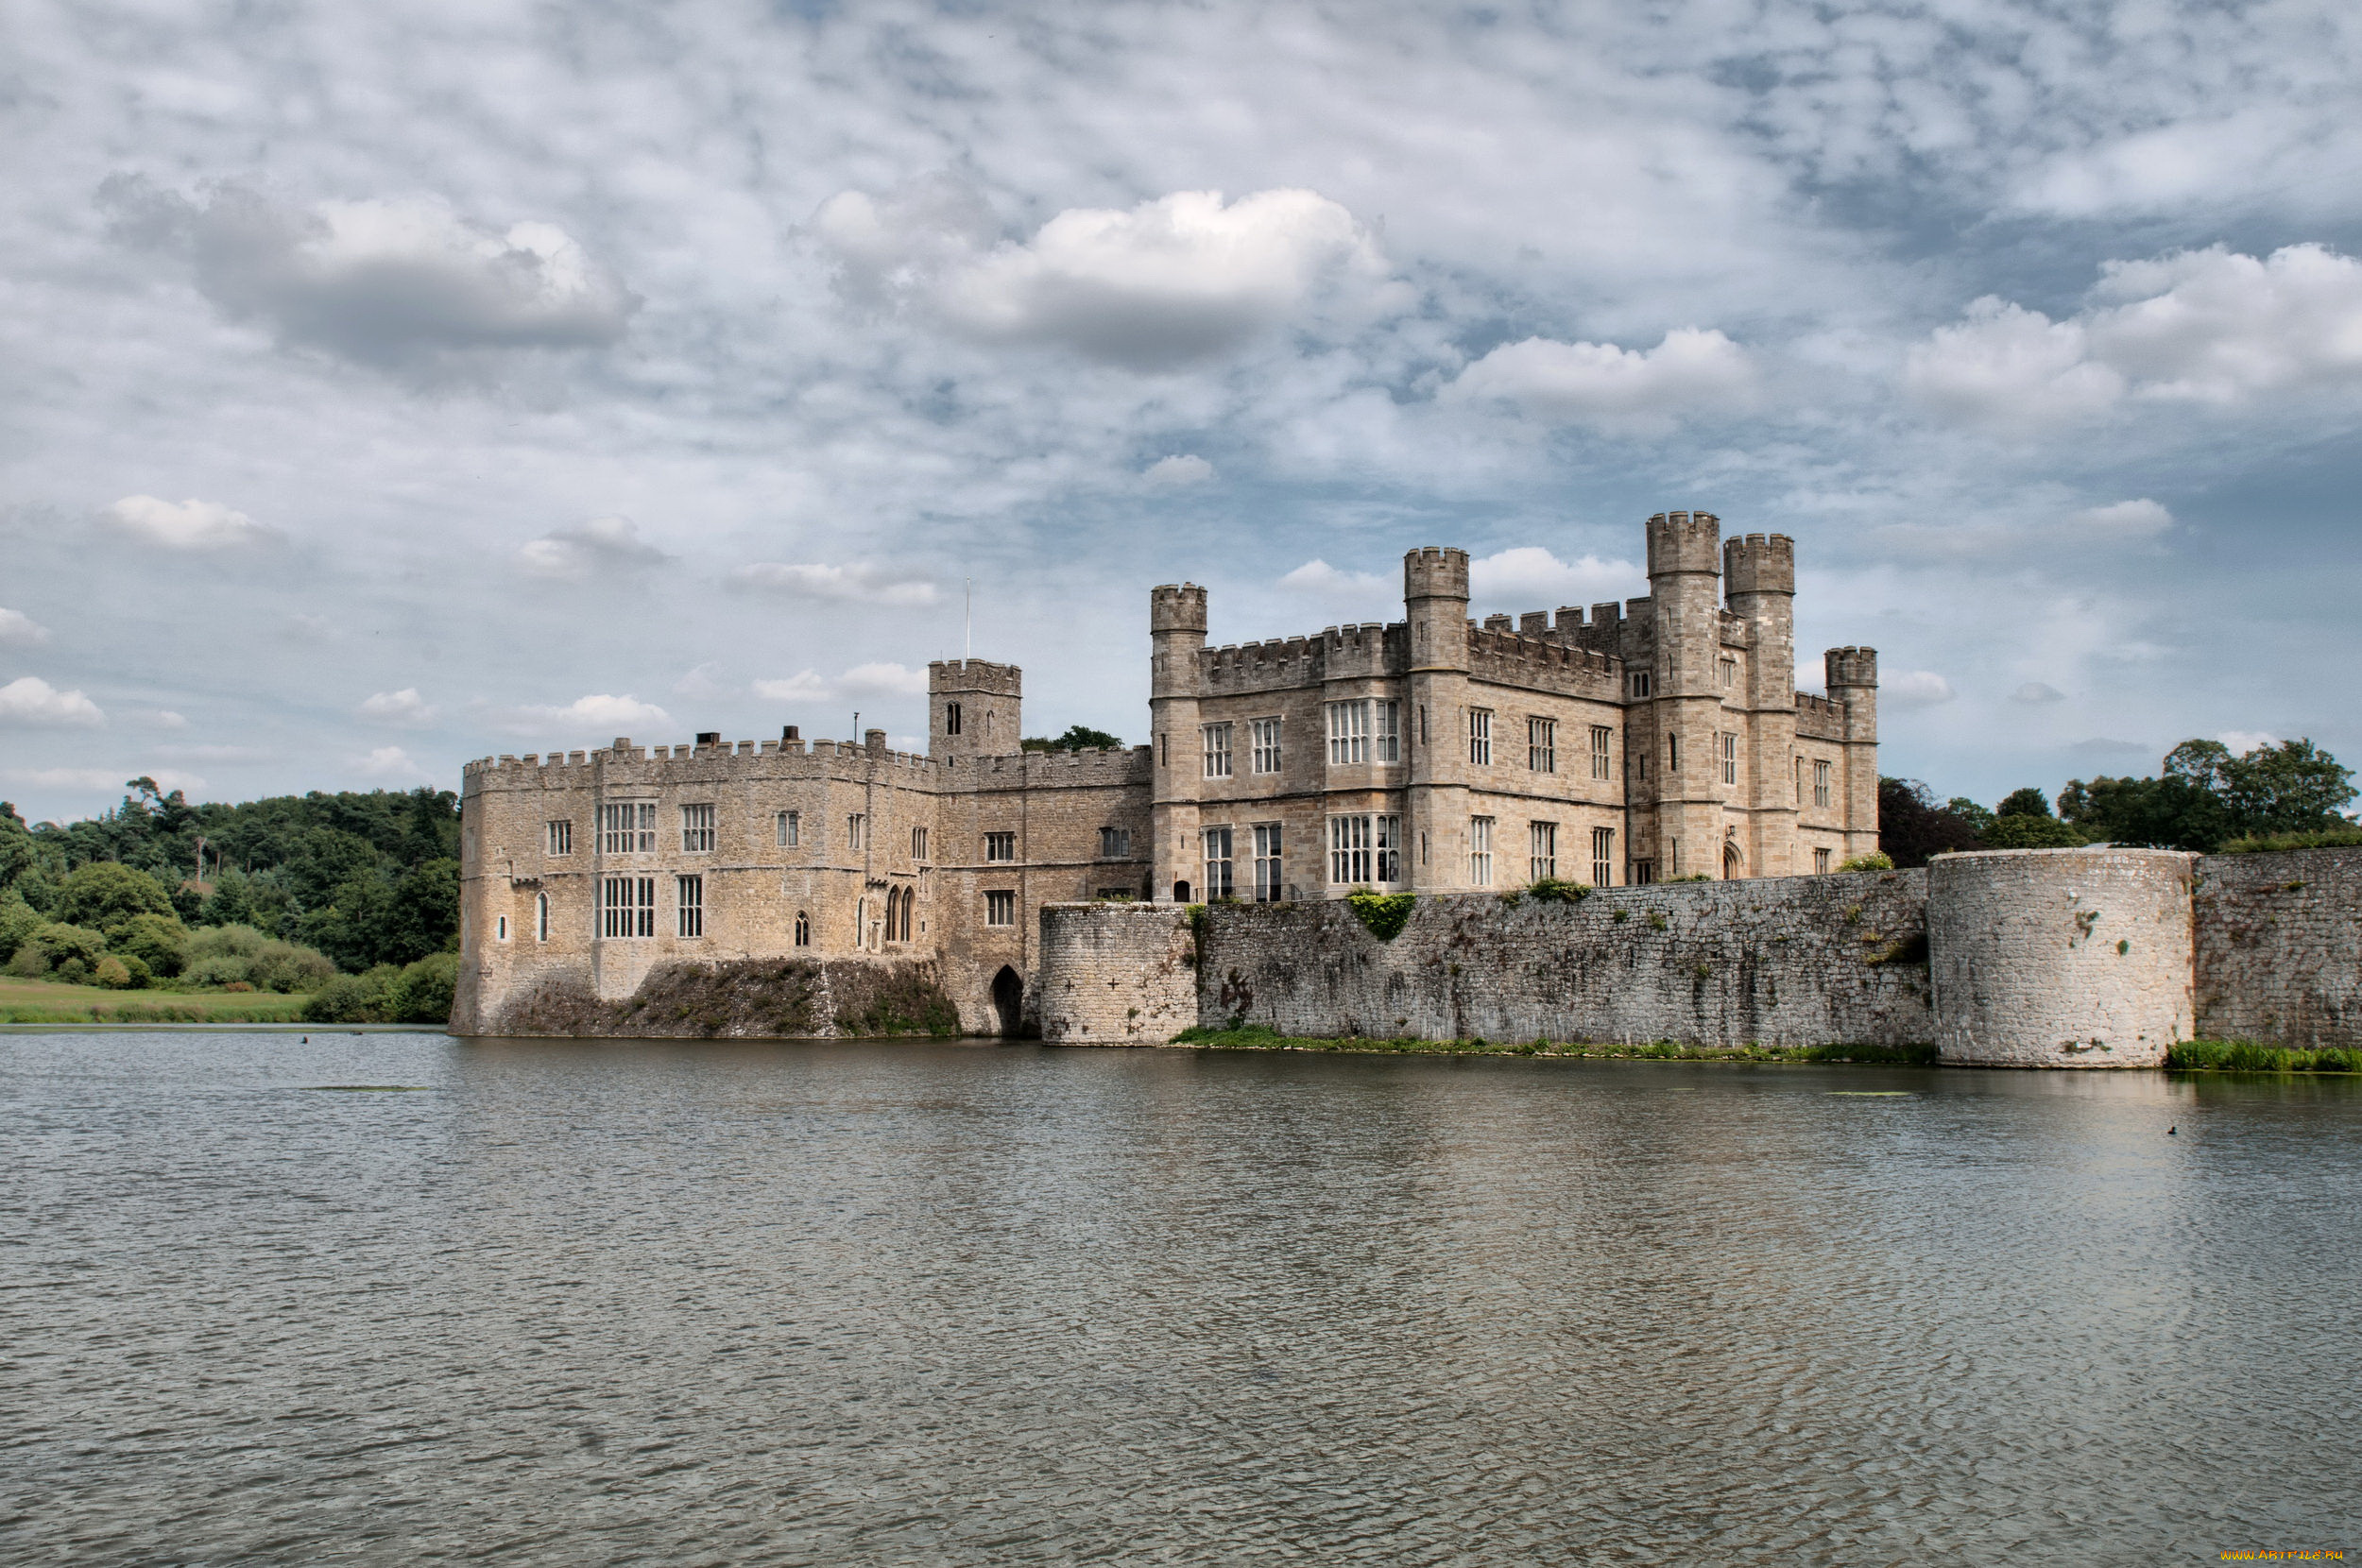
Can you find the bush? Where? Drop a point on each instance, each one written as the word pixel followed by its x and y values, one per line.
pixel 61 945
pixel 1876 861
pixel 1384 913
pixel 2339 837
pixel 1553 889
pixel 18 920
pixel 117 971
pixel 158 940
pixel 28 962
pixel 107 894
pixel 345 999
pixel 289 967
pixel 2023 831
pixel 212 942
pixel 424 990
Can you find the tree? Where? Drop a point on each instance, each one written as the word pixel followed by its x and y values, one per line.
pixel 106 893
pixel 1077 738
pixel 17 850
pixel 1977 818
pixel 2028 802
pixel 2291 787
pixel 1912 826
pixel 2025 830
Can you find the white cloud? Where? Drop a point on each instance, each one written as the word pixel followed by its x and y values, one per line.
pixel 587 715
pixel 1176 473
pixel 1915 688
pixel 2036 691
pixel 164 718
pixel 573 553
pixel 30 700
pixel 389 763
pixel 859 585
pixel 861 681
pixel 1530 577
pixel 703 681
pixel 2126 520
pixel 191 525
pixel 2201 326
pixel 804 686
pixel 2245 740
pixel 18 627
pixel 405 706
pixel 1347 595
pixel 1171 281
pixel 109 781
pixel 1648 392
pixel 384 282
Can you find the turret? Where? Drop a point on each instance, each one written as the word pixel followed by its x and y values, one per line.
pixel 974 708
pixel 1435 602
pixel 1853 679
pixel 1176 635
pixel 1760 583
pixel 1684 565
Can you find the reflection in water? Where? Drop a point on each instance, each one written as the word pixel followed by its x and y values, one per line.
pixel 674 1301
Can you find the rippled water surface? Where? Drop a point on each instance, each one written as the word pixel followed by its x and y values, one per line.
pixel 541 1302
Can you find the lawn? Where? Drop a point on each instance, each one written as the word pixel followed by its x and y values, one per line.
pixel 30 1001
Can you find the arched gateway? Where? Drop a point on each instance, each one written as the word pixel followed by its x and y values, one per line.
pixel 1009 1001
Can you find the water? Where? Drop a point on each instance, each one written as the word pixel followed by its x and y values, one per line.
pixel 725 1302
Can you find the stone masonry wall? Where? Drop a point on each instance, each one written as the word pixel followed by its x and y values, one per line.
pixel 1117 973
pixel 2279 948
pixel 1794 961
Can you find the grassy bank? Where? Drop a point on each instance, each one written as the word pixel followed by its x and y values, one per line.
pixel 27 1001
pixel 1254 1037
pixel 2251 1056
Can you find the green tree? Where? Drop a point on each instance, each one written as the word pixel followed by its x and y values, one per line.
pixel 17 850
pixel 2205 795
pixel 157 941
pixel 1077 738
pixel 422 915
pixel 2028 802
pixel 106 893
pixel 1912 826
pixel 2023 831
pixel 2290 787
pixel 1977 818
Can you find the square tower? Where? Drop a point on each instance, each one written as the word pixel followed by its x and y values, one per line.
pixel 973 709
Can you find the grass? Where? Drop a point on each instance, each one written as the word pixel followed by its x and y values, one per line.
pixel 2254 1056
pixel 29 1002
pixel 1256 1038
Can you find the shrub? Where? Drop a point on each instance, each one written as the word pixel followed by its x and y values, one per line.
pixel 18 920
pixel 106 893
pixel 423 992
pixel 1384 913
pixel 2335 838
pixel 158 940
pixel 212 942
pixel 1876 861
pixel 61 944
pixel 289 967
pixel 345 999
pixel 28 962
pixel 1551 890
pixel 2023 830
pixel 119 972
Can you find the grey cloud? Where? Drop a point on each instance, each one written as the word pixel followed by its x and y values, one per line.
pixel 582 550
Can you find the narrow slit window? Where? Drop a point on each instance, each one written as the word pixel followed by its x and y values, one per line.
pixel 788 827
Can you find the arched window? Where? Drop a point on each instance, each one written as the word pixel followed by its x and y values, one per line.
pixel 950 718
pixel 503 927
pixel 910 897
pixel 540 917
pixel 803 929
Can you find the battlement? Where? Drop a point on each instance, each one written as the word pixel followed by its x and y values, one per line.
pixel 1371 647
pixel 1176 607
pixel 1819 717
pixel 666 764
pixel 1851 667
pixel 975 674
pixel 1544 661
pixel 1435 573
pixel 1094 767
pixel 1684 542
pixel 1759 563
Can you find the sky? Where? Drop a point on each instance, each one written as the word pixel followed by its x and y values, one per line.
pixel 384 386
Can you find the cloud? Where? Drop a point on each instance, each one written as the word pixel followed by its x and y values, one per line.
pixel 862 680
pixel 191 525
pixel 2101 746
pixel 30 700
pixel 390 763
pixel 1650 392
pixel 2035 692
pixel 1177 473
pixel 383 282
pixel 2113 527
pixel 1347 595
pixel 861 584
pixel 22 629
pixel 1915 688
pixel 587 715
pixel 164 718
pixel 2245 740
pixel 2125 520
pixel 218 753
pixel 2210 326
pixel 1533 578
pixel 802 687
pixel 405 706
pixel 1169 283
pixel 574 553
pixel 109 780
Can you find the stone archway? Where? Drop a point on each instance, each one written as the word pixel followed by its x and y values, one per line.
pixel 1009 1001
pixel 1180 893
pixel 1734 861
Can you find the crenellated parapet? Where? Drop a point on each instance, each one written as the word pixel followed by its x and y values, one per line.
pixel 1819 718
pixel 1369 649
pixel 1851 667
pixel 1759 563
pixel 1685 542
pixel 1543 662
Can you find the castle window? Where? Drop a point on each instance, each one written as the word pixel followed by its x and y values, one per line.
pixel 1386 731
pixel 627 905
pixel 1115 844
pixel 1821 862
pixel 1639 682
pixel 689 903
pixel 1600 760
pixel 1603 857
pixel 696 829
pixel 500 928
pixel 1672 754
pixel 1422 724
pixel 1542 745
pixel 1480 735
pixel 1268 885
pixel 1643 873
pixel 789 827
pixel 540 917
pixel 1389 836
pixel 1479 852
pixel 1348 732
pixel 1800 780
pixel 1541 851
pixel 628 828
pixel 918 844
pixel 853 827
pixel 1349 851
pixel 1730 759
pixel 1000 847
pixel 1674 855
pixel 1001 909
pixel 1219 882
pixel 803 929
pixel 1265 736
pixel 1217 738
pixel 1821 784
pixel 562 838
pixel 1730 673
pixel 950 718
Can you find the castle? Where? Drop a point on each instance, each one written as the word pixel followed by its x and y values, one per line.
pixel 1657 740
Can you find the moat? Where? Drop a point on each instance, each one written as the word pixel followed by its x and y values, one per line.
pixel 392 1297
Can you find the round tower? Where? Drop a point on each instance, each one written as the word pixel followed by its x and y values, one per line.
pixel 1435 601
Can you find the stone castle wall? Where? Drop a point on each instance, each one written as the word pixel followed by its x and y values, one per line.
pixel 1117 973
pixel 2279 948
pixel 1788 961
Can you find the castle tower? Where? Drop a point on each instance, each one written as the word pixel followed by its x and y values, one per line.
pixel 1176 635
pixel 974 708
pixel 1436 605
pixel 1759 584
pixel 1686 701
pixel 1852 681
